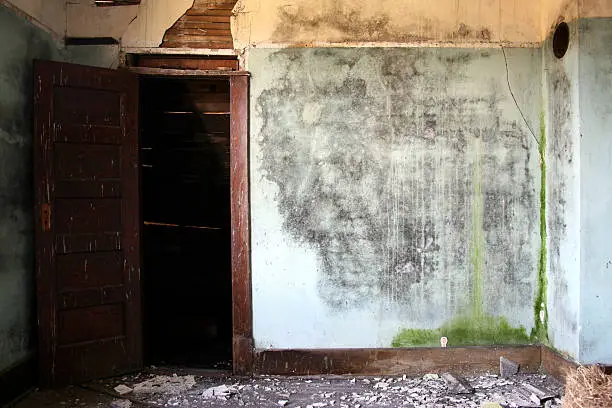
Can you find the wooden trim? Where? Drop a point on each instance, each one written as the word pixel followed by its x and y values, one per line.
pixel 185 72
pixel 130 209
pixel 43 237
pixel 185 62
pixel 90 41
pixel 413 361
pixel 18 379
pixel 555 364
pixel 242 320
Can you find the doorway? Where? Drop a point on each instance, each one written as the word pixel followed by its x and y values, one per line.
pixel 185 205
pixel 89 229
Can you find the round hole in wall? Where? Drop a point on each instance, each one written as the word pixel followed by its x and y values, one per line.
pixel 561 40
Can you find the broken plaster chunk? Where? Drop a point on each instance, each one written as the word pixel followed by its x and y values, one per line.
pixel 457 384
pixel 221 391
pixel 538 395
pixel 282 403
pixel 165 384
pixel 431 376
pixel 122 403
pixel 508 368
pixel 122 389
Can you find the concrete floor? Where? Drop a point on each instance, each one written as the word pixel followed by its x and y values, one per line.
pixel 182 389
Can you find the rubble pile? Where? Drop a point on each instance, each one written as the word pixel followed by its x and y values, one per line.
pixel 445 390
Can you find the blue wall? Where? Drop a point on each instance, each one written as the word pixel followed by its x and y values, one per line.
pixel 596 190
pixel 561 98
pixel 395 196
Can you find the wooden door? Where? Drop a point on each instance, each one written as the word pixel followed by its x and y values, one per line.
pixel 87 222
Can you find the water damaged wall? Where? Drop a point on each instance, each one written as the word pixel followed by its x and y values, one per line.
pixel 395 196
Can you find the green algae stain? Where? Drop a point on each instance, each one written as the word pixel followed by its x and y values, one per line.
pixel 476 328
pixel 465 331
pixel 540 330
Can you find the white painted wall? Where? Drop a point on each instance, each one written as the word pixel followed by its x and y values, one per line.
pixel 85 19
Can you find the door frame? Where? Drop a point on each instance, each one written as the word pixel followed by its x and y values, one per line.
pixel 242 306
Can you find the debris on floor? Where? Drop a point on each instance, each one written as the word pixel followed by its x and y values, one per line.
pixel 121 404
pixel 507 368
pixel 164 384
pixel 122 389
pixel 456 384
pixel 222 391
pixel 433 390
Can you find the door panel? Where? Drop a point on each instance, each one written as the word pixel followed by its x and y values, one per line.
pixel 87 222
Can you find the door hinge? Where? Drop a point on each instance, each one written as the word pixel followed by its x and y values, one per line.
pixel 45 216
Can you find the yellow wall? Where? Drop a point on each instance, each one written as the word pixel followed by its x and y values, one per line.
pixel 554 11
pixel 323 22
pixel 261 22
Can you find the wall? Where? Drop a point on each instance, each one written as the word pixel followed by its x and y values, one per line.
pixel 49 14
pixel 561 92
pixel 261 22
pixel 85 19
pixel 103 56
pixel 397 193
pixel 554 11
pixel 16 201
pixel 596 192
pixel 395 196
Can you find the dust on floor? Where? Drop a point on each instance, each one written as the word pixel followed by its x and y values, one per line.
pixel 429 391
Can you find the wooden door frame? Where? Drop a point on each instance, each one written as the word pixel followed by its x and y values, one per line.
pixel 242 306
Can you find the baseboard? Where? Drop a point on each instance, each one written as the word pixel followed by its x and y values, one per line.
pixel 556 364
pixel 18 380
pixel 559 365
pixel 395 361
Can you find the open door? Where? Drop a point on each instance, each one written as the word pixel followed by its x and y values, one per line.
pixel 87 222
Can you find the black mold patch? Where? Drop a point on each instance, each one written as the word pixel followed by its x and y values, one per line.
pixel 375 170
pixel 465 32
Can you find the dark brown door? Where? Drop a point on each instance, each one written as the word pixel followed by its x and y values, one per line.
pixel 87 222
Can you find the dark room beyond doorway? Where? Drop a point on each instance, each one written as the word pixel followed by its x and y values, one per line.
pixel 184 154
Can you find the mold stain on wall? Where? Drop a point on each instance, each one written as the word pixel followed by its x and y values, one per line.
pixel 475 327
pixel 559 161
pixel 388 163
pixel 344 22
pixel 540 330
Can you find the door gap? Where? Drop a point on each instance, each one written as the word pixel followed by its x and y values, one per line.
pixel 185 200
